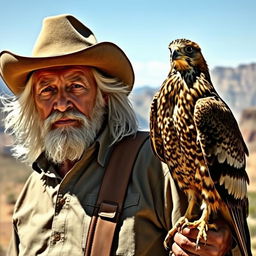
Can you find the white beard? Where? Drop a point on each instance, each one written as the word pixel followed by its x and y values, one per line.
pixel 69 143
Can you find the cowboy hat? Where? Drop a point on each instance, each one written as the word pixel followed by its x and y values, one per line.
pixel 65 41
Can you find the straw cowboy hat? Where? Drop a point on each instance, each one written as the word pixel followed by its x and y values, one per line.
pixel 65 41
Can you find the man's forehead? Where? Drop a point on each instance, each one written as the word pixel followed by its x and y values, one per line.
pixel 63 70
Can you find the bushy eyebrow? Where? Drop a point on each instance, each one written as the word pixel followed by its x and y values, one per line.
pixel 76 76
pixel 45 81
pixel 73 78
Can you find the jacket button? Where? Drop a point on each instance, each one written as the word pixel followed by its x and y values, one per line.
pixel 59 204
pixel 57 236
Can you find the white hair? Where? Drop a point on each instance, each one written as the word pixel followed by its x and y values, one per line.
pixel 23 122
pixel 121 116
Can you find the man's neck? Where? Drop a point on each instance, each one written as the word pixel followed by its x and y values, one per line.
pixel 65 167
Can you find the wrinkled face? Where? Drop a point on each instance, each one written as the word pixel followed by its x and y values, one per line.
pixel 62 89
pixel 71 110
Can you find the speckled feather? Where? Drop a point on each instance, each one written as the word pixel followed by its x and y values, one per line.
pixel 193 130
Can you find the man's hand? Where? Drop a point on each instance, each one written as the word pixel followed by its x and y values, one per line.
pixel 218 242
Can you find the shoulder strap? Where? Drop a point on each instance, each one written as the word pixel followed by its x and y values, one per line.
pixel 111 195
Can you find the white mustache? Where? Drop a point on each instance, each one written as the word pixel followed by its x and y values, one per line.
pixel 71 114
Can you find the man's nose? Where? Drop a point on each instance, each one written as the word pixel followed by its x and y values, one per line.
pixel 62 102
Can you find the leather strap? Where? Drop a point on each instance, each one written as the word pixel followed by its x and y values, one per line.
pixel 111 195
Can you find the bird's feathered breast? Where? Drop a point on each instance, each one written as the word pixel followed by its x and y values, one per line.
pixel 172 127
pixel 174 105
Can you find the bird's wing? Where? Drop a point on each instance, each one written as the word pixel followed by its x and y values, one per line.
pixel 155 131
pixel 224 151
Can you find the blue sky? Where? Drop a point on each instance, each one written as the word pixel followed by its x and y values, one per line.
pixel 225 29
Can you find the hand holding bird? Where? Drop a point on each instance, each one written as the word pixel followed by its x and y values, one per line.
pixel 218 243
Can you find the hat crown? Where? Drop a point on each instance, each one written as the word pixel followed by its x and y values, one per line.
pixel 61 35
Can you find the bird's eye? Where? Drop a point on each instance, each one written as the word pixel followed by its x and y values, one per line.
pixel 189 49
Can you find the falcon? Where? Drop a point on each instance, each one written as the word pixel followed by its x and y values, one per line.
pixel 195 133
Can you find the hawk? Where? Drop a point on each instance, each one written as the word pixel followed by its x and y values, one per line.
pixel 195 133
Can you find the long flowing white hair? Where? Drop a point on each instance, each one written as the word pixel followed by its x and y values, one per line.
pixel 23 123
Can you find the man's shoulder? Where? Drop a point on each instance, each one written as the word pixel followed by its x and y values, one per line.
pixel 145 153
pixel 146 145
pixel 32 181
pixel 29 190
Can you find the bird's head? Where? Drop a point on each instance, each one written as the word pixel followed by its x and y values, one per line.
pixel 186 57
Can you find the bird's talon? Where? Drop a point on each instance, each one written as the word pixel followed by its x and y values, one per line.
pixel 202 227
pixel 166 242
pixel 168 237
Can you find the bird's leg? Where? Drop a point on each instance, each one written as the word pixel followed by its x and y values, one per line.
pixel 201 224
pixel 181 222
pixel 189 212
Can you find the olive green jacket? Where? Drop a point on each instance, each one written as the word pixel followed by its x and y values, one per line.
pixel 52 214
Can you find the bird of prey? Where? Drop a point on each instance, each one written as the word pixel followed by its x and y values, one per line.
pixel 195 133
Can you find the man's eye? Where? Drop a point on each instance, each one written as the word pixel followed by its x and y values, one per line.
pixel 75 86
pixel 47 90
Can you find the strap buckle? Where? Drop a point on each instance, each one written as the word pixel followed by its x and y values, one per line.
pixel 108 210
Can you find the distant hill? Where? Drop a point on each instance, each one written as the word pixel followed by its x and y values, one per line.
pixel 141 99
pixel 237 86
pixel 248 127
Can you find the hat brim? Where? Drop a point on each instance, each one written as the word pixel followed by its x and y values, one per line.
pixel 105 56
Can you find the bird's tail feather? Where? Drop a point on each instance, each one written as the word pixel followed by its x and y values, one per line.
pixel 241 229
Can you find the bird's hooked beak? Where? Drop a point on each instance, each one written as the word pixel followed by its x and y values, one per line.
pixel 175 55
pixel 178 60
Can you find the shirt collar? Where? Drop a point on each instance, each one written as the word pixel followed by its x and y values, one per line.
pixel 41 164
pixel 104 141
